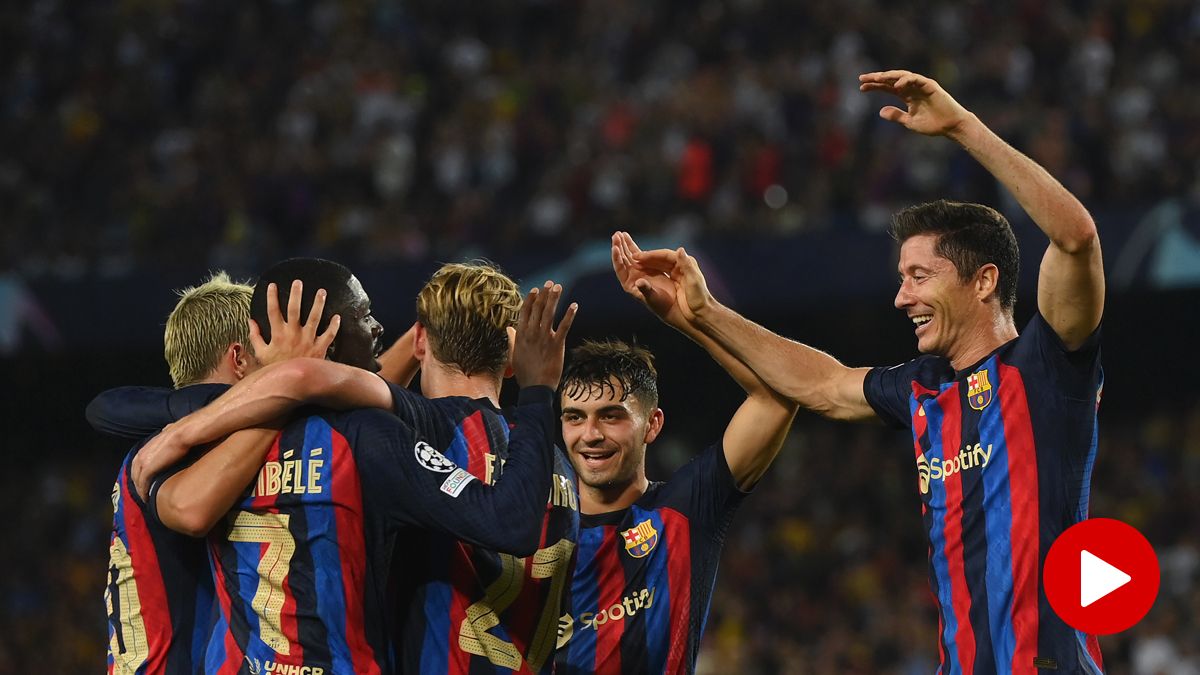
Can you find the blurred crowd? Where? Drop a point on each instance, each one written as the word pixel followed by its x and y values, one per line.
pixel 824 568
pixel 144 133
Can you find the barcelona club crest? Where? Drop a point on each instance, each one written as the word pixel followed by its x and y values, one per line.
pixel 640 539
pixel 979 390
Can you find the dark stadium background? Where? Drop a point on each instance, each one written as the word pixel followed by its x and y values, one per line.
pixel 145 142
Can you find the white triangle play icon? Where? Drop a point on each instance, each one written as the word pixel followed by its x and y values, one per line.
pixel 1097 578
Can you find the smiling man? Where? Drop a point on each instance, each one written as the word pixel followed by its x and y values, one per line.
pixel 648 550
pixel 1003 425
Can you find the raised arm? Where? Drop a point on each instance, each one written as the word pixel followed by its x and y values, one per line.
pixel 506 516
pixel 756 432
pixel 811 378
pixel 398 365
pixel 1071 278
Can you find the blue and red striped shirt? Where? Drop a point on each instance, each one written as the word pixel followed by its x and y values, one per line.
pixel 1004 453
pixel 159 593
pixel 644 575
pixel 301 563
pixel 465 608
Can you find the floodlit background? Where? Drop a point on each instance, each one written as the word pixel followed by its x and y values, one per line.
pixel 145 142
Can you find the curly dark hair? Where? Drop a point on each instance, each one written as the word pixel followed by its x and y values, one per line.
pixel 596 364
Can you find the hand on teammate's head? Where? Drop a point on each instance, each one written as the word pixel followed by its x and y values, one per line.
pixel 289 337
pixel 539 349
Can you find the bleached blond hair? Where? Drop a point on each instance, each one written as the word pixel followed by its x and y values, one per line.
pixel 206 320
pixel 467 308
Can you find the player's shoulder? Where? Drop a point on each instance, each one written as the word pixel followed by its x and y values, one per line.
pixel 347 423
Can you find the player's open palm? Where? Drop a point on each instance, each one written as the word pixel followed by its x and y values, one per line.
pixel 540 348
pixel 656 290
pixel 291 338
pixel 929 109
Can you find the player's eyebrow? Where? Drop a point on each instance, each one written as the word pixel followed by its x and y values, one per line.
pixel 606 409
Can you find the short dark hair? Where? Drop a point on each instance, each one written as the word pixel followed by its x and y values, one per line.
pixel 316 273
pixel 596 363
pixel 968 235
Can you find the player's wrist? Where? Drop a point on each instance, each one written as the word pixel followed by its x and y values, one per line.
pixel 968 132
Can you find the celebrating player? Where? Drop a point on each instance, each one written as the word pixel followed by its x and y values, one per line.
pixel 1003 425
pixel 308 484
pixel 648 551
pixel 467 314
pixel 160 592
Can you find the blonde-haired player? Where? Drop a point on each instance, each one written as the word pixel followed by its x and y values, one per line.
pixel 159 591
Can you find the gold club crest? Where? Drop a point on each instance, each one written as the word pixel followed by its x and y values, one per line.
pixel 640 539
pixel 979 390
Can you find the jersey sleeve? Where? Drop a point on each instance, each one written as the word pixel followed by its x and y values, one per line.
pixel 714 493
pixel 1076 372
pixel 888 390
pixel 416 485
pixel 138 412
pixel 413 408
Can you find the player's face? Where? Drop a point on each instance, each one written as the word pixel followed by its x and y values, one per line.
pixel 933 296
pixel 606 437
pixel 358 340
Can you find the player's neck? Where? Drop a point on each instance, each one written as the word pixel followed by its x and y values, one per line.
pixel 984 339
pixel 438 380
pixel 594 500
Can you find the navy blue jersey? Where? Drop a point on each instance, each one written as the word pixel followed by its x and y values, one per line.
pixel 159 592
pixel 644 575
pixel 1004 453
pixel 301 562
pixel 463 608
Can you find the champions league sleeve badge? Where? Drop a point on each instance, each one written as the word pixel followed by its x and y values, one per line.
pixel 432 459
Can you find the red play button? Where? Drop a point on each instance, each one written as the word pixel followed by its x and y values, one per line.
pixel 1101 576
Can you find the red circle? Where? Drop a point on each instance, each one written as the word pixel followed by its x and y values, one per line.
pixel 1114 544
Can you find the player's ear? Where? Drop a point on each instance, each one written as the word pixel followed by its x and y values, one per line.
pixel 987 281
pixel 420 342
pixel 240 359
pixel 654 425
pixel 512 347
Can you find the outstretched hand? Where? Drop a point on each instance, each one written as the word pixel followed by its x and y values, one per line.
pixel 654 289
pixel 689 289
pixel 289 337
pixel 540 348
pixel 930 110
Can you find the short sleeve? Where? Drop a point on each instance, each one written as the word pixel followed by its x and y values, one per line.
pixel 889 391
pixel 1077 372
pixel 714 495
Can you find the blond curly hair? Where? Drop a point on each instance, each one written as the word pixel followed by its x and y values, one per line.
pixel 467 308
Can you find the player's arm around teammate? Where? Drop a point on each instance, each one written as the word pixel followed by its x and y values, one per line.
pixel 1071 277
pixel 756 431
pixel 194 499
